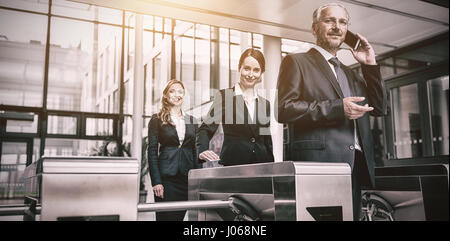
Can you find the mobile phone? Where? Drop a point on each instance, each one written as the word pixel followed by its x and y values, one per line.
pixel 352 40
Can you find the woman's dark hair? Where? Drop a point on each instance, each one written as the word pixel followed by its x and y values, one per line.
pixel 255 54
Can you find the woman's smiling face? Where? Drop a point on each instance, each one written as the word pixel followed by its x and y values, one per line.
pixel 176 94
pixel 250 72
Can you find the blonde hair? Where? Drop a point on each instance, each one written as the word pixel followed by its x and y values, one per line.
pixel 164 113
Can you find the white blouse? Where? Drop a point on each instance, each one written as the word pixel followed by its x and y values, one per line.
pixel 250 101
pixel 180 125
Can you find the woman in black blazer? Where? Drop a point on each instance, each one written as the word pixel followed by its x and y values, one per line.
pixel 245 118
pixel 171 150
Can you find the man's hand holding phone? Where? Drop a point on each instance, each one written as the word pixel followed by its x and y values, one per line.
pixel 363 53
pixel 352 40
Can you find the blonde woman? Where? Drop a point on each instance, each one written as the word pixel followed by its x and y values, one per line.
pixel 171 150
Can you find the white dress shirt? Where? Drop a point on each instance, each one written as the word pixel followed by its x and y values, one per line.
pixel 180 125
pixel 250 101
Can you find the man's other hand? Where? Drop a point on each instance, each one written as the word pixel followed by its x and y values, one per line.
pixel 354 111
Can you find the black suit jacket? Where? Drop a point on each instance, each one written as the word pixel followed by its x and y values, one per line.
pixel 166 155
pixel 310 101
pixel 245 141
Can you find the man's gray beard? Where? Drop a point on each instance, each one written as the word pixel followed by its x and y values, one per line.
pixel 325 45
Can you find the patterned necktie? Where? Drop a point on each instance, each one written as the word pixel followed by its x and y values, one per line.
pixel 341 77
pixel 343 82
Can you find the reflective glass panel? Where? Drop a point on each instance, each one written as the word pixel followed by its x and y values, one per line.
pixel 257 40
pixel 31 5
pixel 235 36
pixel 72 147
pixel 84 68
pixel 439 114
pixel 294 46
pixel 408 140
pixel 12 165
pixel 86 11
pixel 235 54
pixel 127 129
pixel 99 127
pixel 23 126
pixel 65 125
pixel 202 64
pixel 376 127
pixel 22 58
pixel 187 69
pixel 224 59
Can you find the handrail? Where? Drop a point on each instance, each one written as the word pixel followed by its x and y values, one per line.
pixel 237 206
pixel 11 210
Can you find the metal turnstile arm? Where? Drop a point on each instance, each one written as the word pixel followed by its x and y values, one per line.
pixel 242 209
pixel 184 205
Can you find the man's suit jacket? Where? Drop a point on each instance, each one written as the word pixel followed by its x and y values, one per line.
pixel 245 141
pixel 166 155
pixel 310 101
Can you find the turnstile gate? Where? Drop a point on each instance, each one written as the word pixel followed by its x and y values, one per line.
pixel 84 188
pixel 302 191
pixel 106 188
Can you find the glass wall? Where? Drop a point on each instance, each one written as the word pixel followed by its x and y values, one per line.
pixel 73 147
pixel 22 126
pixel 70 72
pixel 438 94
pixel 206 60
pixel 412 58
pixel 417 82
pixel 420 118
pixel 78 62
pixel 407 122
pixel 22 57
pixel 15 154
pixel 289 46
pixel 14 157
pixel 39 6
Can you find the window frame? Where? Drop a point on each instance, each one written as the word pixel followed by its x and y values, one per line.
pixel 420 77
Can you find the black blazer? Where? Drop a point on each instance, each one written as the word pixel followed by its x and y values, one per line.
pixel 245 141
pixel 166 155
pixel 310 101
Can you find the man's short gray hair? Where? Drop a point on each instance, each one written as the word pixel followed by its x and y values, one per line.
pixel 318 11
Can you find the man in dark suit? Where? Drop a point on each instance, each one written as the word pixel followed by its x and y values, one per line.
pixel 326 105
